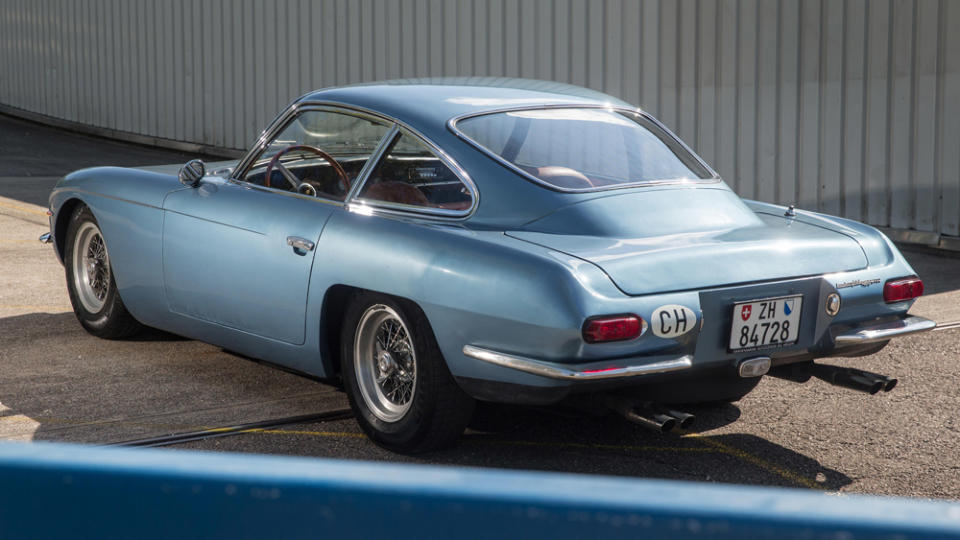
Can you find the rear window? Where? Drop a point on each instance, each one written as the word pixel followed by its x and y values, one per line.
pixel 584 148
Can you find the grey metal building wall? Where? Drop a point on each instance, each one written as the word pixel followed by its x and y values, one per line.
pixel 851 107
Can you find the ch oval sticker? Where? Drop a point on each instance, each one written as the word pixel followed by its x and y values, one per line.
pixel 672 321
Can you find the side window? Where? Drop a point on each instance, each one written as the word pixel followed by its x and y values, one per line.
pixel 318 153
pixel 411 174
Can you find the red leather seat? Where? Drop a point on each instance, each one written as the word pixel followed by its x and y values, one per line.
pixel 396 192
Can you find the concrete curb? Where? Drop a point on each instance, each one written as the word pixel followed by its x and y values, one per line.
pixel 123 136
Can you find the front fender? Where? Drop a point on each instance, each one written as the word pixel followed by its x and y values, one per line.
pixel 127 205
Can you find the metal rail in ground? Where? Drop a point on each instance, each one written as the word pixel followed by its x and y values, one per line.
pixel 236 429
pixel 947 326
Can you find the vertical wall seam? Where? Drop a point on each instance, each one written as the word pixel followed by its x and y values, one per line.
pixel 716 83
pixel 889 139
pixel 755 188
pixel 821 107
pixel 845 26
pixel 738 72
pixel 864 111
pixel 697 135
pixel 914 127
pixel 778 103
pixel 938 221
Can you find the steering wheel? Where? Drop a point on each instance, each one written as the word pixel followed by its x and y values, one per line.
pixel 294 181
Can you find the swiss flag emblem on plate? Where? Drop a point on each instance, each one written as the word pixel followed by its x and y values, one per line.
pixel 745 312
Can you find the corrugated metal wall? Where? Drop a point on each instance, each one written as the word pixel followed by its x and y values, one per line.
pixel 851 107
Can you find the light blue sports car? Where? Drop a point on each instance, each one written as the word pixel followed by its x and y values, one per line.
pixel 434 243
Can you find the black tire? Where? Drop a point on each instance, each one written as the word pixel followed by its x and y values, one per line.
pixel 437 411
pixel 111 320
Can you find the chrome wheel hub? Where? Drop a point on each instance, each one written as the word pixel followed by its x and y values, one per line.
pixel 385 363
pixel 91 267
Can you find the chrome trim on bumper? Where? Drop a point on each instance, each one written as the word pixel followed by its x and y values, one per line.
pixel 557 371
pixel 884 331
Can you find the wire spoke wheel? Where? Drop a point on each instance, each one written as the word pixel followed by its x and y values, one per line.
pixel 385 363
pixel 91 264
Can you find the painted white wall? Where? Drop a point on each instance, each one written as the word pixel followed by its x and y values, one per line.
pixel 850 107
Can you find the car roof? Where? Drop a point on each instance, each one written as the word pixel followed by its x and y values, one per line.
pixel 430 102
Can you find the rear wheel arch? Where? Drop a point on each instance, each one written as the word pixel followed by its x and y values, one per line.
pixel 331 325
pixel 335 303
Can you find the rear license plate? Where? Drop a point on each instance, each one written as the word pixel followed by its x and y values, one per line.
pixel 770 322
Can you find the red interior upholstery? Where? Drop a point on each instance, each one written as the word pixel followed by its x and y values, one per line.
pixel 396 192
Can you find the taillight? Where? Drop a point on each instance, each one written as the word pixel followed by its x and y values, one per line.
pixel 612 328
pixel 898 290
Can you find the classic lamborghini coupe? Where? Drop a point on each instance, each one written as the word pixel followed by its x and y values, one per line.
pixel 432 244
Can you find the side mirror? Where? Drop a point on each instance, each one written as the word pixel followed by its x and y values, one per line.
pixel 191 173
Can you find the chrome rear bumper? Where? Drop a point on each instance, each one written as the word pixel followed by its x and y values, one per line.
pixel 563 372
pixel 883 331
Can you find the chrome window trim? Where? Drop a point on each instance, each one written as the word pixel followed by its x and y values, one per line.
pixel 375 158
pixel 296 107
pixel 452 126
pixel 394 208
pixel 282 121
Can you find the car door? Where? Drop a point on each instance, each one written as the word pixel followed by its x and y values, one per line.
pixel 238 252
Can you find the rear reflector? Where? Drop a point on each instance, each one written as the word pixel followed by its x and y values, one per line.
pixel 612 328
pixel 898 290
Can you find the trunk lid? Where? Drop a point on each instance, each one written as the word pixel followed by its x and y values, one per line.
pixel 690 238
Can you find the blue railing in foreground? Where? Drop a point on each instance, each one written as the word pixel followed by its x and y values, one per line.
pixel 59 491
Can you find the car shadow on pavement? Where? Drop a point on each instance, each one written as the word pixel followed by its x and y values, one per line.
pixel 609 445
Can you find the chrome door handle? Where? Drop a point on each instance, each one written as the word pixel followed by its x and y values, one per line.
pixel 300 243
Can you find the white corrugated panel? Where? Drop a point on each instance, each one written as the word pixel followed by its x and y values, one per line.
pixel 850 107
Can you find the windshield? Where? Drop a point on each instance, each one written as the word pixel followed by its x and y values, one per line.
pixel 583 148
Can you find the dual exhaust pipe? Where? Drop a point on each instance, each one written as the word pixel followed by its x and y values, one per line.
pixel 663 419
pixel 855 379
pixel 650 416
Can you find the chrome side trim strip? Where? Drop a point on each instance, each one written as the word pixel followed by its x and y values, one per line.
pixel 884 331
pixel 557 371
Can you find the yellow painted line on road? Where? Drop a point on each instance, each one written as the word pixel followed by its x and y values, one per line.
pixel 755 460
pixel 595 446
pixel 335 434
pixel 28 208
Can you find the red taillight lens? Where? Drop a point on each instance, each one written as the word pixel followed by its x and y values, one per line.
pixel 612 328
pixel 898 290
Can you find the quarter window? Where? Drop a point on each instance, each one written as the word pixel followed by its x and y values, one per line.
pixel 411 174
pixel 318 153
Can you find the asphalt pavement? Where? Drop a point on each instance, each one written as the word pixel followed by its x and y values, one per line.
pixel 60 384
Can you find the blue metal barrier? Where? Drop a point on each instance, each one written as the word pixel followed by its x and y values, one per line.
pixel 56 490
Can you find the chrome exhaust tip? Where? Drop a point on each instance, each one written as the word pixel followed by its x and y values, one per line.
pixel 855 379
pixel 642 415
pixel 684 419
